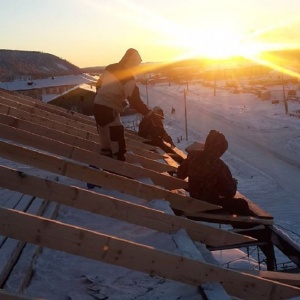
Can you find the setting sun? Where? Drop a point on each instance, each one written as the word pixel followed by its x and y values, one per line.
pixel 216 43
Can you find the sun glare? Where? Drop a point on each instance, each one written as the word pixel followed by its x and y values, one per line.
pixel 218 43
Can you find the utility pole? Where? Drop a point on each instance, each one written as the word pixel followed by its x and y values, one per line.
pixel 284 97
pixel 185 115
pixel 147 92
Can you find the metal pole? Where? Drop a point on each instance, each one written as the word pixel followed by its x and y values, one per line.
pixel 147 91
pixel 185 115
pixel 284 98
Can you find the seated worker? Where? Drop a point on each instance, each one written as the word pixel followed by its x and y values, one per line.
pixel 153 129
pixel 210 179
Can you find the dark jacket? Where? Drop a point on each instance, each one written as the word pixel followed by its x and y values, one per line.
pixel 210 179
pixel 152 128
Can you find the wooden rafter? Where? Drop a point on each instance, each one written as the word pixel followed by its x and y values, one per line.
pixel 81 155
pixel 79 241
pixel 81 172
pixel 115 208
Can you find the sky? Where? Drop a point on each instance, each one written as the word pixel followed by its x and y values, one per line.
pixel 97 33
pixel 263 155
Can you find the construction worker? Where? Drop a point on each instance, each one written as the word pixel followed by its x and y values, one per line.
pixel 152 128
pixel 117 86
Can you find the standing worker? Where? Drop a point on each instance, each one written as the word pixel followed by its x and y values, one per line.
pixel 118 85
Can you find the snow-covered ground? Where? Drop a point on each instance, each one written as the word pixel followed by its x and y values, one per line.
pixel 264 147
pixel 264 141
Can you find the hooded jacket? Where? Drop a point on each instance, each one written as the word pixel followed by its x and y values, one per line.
pixel 209 177
pixel 152 128
pixel 118 84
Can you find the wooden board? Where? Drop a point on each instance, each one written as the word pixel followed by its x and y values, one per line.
pixel 5 295
pixel 115 208
pixel 228 219
pixel 258 211
pixel 68 120
pixel 80 140
pixel 283 277
pixel 87 157
pixel 79 241
pixel 111 181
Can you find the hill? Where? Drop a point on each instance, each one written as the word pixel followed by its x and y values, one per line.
pixel 17 64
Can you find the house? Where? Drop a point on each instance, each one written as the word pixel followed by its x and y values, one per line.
pixel 41 88
pixel 79 99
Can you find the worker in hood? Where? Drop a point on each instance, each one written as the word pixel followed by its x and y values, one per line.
pixel 152 128
pixel 209 178
pixel 118 86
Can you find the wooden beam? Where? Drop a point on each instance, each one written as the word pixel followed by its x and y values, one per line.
pixel 84 130
pixel 148 163
pixel 115 208
pixel 258 211
pixel 5 295
pixel 283 277
pixel 140 145
pixel 147 153
pixel 79 241
pixel 87 157
pixel 60 111
pixel 47 107
pixel 285 244
pixel 50 116
pixel 111 181
pixel 228 219
pixel 90 144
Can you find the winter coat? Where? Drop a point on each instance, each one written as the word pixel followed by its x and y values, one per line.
pixel 210 179
pixel 119 85
pixel 152 128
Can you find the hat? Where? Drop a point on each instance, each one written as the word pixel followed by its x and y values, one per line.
pixel 131 58
pixel 158 110
pixel 216 143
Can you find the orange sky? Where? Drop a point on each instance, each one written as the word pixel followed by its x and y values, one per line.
pixel 92 32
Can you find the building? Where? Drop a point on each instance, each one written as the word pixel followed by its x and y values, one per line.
pixel 79 99
pixel 47 88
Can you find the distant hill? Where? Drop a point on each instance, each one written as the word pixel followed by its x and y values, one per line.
pixel 15 64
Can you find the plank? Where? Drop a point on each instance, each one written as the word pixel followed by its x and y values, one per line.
pixel 57 124
pixel 147 153
pixel 115 208
pixel 283 277
pixel 47 107
pixel 111 181
pixel 87 157
pixel 228 219
pixel 140 145
pixel 285 244
pixel 22 271
pixel 168 159
pixel 5 295
pixel 60 111
pixel 11 249
pixel 84 130
pixel 79 241
pixel 149 163
pixel 20 105
pixel 258 211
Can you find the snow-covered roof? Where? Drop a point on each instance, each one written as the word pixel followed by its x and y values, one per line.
pixel 84 86
pixel 21 85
